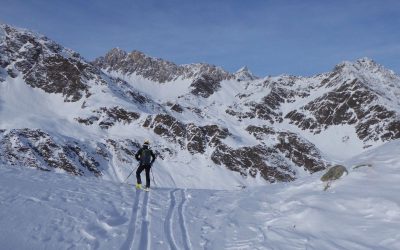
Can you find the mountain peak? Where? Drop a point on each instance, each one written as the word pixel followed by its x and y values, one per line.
pixel 116 52
pixel 244 68
pixel 366 63
pixel 365 60
pixel 156 69
pixel 244 74
pixel 9 29
pixel 139 55
pixel 363 64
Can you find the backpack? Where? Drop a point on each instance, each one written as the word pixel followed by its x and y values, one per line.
pixel 145 157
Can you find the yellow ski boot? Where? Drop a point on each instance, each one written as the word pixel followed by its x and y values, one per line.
pixel 138 186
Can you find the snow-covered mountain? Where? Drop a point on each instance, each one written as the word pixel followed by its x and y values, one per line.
pixel 244 74
pixel 209 127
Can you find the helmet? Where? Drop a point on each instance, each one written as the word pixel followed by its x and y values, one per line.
pixel 146 142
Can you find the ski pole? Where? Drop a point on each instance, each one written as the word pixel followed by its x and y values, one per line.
pixel 129 175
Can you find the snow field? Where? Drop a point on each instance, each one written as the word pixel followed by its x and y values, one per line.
pixel 42 210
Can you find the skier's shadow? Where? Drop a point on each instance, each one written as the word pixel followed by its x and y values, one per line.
pixel 145 223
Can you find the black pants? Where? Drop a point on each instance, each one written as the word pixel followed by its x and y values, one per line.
pixel 139 170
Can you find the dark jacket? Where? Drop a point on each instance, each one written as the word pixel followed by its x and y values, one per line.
pixel 145 156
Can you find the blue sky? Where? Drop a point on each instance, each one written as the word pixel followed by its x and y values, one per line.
pixel 298 37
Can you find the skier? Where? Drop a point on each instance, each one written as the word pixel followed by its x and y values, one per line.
pixel 146 157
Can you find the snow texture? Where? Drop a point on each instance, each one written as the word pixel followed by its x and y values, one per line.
pixel 42 210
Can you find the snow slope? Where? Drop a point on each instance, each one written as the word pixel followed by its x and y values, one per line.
pixel 43 210
pixel 24 107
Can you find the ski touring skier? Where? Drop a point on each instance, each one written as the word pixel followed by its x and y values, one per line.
pixel 146 158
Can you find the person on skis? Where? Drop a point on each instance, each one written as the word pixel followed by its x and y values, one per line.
pixel 146 158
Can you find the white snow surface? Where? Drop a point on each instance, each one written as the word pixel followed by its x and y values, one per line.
pixel 42 210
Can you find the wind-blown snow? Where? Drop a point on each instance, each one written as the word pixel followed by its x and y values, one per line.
pixel 56 211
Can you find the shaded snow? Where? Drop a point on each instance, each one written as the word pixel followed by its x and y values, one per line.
pixel 27 107
pixel 159 92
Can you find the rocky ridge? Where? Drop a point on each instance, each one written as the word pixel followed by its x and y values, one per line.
pixel 45 64
pixel 156 69
pixel 355 98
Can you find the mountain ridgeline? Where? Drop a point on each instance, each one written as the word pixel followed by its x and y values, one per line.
pixel 59 112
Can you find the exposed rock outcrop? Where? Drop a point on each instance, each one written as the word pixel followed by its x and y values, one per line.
pixel 45 64
pixel 37 149
pixel 107 117
pixel 156 69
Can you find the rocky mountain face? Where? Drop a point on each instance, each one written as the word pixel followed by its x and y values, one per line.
pixel 50 152
pixel 355 98
pixel 45 64
pixel 158 70
pixel 199 114
pixel 35 148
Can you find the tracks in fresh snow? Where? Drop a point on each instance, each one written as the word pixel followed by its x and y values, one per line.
pixel 168 221
pixel 182 224
pixel 132 226
pixel 145 222
pixel 139 235
pixel 144 238
pixel 181 219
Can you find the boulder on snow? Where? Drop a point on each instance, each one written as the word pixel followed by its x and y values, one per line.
pixel 334 173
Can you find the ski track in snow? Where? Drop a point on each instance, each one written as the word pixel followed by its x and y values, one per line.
pixel 185 237
pixel 168 221
pixel 132 226
pixel 41 210
pixel 144 231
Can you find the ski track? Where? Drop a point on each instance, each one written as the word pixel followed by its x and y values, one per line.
pixel 132 226
pixel 168 221
pixel 144 231
pixel 185 237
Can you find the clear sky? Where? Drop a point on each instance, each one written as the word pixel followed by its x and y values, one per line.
pixel 298 37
